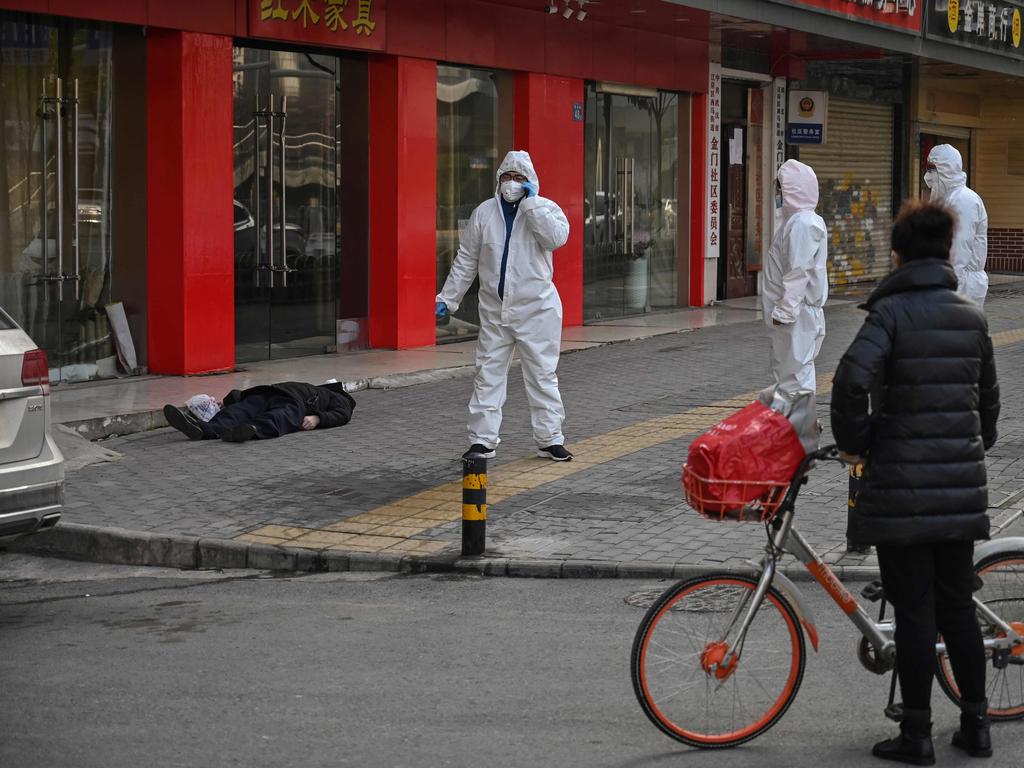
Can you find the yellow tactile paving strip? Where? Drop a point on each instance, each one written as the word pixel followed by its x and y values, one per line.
pixel 394 527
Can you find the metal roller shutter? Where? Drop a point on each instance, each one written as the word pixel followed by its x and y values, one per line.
pixel 854 171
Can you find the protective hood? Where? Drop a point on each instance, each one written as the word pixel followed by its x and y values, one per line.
pixel 517 161
pixel 949 171
pixel 799 188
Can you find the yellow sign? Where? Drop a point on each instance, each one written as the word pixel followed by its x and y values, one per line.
pixel 1016 29
pixel 953 15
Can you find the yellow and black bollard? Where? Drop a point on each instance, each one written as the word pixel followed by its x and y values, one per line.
pixel 474 506
pixel 856 474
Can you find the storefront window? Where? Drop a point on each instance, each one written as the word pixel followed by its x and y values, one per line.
pixel 631 204
pixel 471 141
pixel 55 190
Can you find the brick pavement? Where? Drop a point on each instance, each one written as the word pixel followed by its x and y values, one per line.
pixel 389 480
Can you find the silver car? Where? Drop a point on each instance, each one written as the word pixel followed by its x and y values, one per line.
pixel 31 465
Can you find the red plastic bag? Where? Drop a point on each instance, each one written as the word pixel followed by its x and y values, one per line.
pixel 750 456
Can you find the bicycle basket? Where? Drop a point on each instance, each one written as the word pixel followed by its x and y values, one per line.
pixel 740 500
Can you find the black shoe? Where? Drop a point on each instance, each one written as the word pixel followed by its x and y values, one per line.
pixel 183 422
pixel 555 453
pixel 479 451
pixel 973 735
pixel 239 434
pixel 857 549
pixel 914 744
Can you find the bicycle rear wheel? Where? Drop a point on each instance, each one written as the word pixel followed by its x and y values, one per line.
pixel 1003 593
pixel 679 643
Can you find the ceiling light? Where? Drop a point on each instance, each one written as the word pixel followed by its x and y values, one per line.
pixel 552 8
pixel 581 15
pixel 567 13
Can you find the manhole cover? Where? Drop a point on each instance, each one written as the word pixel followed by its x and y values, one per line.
pixel 715 599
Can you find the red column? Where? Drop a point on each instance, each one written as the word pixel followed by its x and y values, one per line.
pixel 547 127
pixel 698 196
pixel 190 174
pixel 403 201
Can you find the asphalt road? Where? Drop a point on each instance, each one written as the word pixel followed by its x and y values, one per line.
pixel 110 666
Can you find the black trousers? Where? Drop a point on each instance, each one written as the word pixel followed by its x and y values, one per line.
pixel 930 587
pixel 272 416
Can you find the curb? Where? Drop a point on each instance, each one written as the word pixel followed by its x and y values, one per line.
pixel 121 546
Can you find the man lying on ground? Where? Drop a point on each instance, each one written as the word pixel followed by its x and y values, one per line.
pixel 260 413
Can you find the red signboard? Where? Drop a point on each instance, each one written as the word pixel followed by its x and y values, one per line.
pixel 902 15
pixel 341 23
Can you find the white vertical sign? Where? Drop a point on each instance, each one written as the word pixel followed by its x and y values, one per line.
pixel 779 103
pixel 714 163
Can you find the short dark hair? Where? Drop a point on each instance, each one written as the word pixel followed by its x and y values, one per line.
pixel 923 231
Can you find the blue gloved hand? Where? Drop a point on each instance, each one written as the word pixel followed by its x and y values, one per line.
pixel 531 188
pixel 440 309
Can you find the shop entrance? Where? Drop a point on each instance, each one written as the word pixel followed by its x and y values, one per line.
pixel 631 203
pixel 55 98
pixel 742 189
pixel 287 233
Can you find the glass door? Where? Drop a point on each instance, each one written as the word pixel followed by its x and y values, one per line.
pixel 55 98
pixel 630 205
pixel 286 203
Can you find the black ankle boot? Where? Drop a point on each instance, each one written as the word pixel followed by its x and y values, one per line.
pixel 914 744
pixel 973 735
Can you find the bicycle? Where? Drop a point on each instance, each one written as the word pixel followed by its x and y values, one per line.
pixel 741 639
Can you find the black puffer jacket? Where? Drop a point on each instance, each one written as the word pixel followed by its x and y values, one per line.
pixel 924 361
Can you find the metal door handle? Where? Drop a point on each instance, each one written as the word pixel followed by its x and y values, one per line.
pixel 270 187
pixel 58 112
pixel 77 276
pixel 44 197
pixel 284 270
pixel 257 118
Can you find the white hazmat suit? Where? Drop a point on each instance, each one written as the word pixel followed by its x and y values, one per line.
pixel 795 282
pixel 948 184
pixel 528 318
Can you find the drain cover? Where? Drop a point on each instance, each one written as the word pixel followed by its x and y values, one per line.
pixel 719 598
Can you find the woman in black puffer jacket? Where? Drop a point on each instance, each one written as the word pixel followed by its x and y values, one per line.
pixel 916 397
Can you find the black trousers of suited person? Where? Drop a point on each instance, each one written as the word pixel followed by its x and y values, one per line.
pixel 271 415
pixel 931 589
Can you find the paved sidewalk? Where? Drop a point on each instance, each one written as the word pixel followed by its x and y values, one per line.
pixel 384 490
pixel 125 406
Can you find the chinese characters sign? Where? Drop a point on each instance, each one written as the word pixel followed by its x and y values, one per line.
pixel 714 162
pixel 985 24
pixel 347 23
pixel 899 14
pixel 808 117
pixel 778 123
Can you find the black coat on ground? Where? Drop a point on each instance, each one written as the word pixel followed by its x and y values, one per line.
pixel 330 402
pixel 923 362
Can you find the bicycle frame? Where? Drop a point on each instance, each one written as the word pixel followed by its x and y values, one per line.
pixel 879 634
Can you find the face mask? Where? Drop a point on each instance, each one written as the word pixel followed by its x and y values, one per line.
pixel 512 191
pixel 930 178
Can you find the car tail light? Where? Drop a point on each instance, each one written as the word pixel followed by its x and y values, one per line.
pixel 35 370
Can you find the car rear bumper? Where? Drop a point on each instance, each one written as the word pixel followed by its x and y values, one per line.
pixel 32 493
pixel 31 508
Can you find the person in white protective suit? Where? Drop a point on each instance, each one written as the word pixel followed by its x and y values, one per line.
pixel 509 242
pixel 795 283
pixel 946 179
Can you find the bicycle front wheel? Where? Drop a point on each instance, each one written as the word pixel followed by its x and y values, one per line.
pixel 1002 576
pixel 680 662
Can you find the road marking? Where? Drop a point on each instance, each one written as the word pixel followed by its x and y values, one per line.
pixel 394 526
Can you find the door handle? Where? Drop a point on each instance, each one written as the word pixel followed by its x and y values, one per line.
pixel 283 269
pixel 257 121
pixel 44 114
pixel 59 124
pixel 77 276
pixel 269 115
